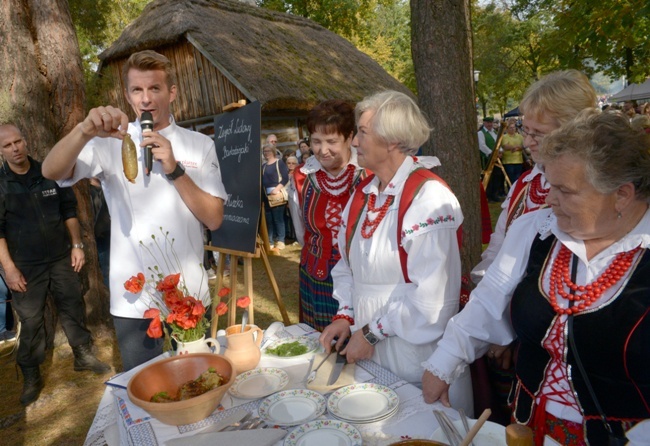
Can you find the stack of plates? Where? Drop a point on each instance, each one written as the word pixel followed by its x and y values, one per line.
pixel 363 403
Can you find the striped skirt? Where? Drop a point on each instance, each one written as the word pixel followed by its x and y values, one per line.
pixel 317 306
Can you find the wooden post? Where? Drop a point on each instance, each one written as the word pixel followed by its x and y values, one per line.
pixel 496 161
pixel 260 252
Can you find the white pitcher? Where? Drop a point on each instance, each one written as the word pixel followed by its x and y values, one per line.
pixel 198 346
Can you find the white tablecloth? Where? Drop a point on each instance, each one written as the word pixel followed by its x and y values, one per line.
pixel 120 422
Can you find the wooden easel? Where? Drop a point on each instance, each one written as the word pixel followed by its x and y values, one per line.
pixel 496 161
pixel 262 249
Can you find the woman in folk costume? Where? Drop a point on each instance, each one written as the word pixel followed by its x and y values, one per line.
pixel 320 190
pixel 570 284
pixel 398 281
pixel 550 102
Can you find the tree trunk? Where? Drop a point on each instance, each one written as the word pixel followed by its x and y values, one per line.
pixel 442 57
pixel 42 92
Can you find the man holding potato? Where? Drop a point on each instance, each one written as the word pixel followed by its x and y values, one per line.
pixel 182 191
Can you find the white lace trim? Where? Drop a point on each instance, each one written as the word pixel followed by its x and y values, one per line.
pixel 448 378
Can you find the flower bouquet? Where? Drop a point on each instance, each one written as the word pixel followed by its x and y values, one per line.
pixel 184 315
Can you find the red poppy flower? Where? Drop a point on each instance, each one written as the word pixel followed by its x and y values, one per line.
pixel 173 298
pixel 152 313
pixel 155 326
pixel 243 302
pixel 222 308
pixel 197 308
pixel 135 284
pixel 183 320
pixel 169 282
pixel 223 292
pixel 155 329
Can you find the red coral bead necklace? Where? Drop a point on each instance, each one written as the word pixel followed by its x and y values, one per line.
pixel 369 227
pixel 585 295
pixel 536 192
pixel 342 183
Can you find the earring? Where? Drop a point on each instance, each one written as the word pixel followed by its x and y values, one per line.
pixel 619 215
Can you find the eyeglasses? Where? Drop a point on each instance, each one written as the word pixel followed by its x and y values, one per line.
pixel 537 137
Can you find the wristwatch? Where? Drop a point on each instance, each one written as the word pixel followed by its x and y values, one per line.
pixel 78 245
pixel 369 335
pixel 178 172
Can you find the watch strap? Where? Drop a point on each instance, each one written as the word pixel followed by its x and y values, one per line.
pixel 179 171
pixel 369 335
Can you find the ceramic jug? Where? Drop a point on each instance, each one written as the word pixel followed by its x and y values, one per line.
pixel 199 346
pixel 243 349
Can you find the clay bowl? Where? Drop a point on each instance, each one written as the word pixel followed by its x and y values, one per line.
pixel 168 375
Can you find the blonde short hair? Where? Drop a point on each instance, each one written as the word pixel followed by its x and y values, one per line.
pixel 397 119
pixel 149 60
pixel 558 97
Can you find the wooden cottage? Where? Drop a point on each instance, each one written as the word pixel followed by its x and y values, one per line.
pixel 225 51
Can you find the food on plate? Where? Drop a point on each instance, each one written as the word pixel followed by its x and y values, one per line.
pixel 207 381
pixel 294 348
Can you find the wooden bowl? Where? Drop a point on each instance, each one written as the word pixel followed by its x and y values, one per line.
pixel 168 375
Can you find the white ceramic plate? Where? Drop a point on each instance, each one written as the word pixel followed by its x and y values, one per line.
pixel 362 402
pixel 258 383
pixel 491 434
pixel 324 433
pixel 292 407
pixel 310 342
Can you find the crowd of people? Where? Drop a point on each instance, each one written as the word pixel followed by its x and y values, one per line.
pixel 560 309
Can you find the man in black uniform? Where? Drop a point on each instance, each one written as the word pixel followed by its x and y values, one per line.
pixel 38 223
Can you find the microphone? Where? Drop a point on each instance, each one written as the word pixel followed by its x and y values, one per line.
pixel 146 122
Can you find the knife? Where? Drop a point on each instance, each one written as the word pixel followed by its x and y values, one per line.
pixel 338 367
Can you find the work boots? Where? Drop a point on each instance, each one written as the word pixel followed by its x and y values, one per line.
pixel 32 384
pixel 85 360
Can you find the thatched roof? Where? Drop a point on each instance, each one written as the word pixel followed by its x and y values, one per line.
pixel 284 61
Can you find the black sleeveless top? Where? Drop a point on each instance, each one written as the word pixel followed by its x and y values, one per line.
pixel 613 341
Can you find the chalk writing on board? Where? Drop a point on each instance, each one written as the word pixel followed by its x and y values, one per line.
pixel 237 141
pixel 235 202
pixel 235 151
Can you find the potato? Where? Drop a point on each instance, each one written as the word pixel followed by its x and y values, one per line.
pixel 129 158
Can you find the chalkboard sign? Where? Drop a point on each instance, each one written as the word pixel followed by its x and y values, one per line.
pixel 237 138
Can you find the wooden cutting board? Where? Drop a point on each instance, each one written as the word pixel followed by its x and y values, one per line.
pixel 323 375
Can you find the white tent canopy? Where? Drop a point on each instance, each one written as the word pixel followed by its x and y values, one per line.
pixel 633 92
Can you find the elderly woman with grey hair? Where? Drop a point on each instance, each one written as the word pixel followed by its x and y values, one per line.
pixel 398 280
pixel 570 285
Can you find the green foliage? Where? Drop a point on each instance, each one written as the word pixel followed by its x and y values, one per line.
pixel 339 16
pixel 99 23
pixel 607 35
pixel 386 37
pixel 508 55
